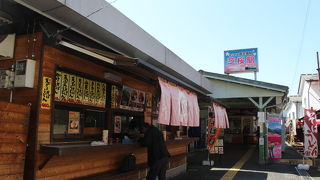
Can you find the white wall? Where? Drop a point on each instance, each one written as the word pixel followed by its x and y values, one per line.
pixel 310 95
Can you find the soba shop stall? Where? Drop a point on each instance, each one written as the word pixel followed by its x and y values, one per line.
pixel 82 93
pixel 85 102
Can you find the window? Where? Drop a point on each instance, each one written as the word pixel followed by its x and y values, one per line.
pixel 77 124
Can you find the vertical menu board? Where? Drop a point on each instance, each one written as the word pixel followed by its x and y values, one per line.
pixel 92 93
pixel 46 93
pixel 64 87
pixel 86 91
pixel 79 90
pixel 57 91
pixel 71 88
pixel 115 96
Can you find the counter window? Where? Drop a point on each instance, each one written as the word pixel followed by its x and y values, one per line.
pixel 77 124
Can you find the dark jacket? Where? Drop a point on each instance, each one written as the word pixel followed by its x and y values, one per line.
pixel 157 148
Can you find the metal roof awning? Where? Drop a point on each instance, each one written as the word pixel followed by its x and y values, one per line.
pixel 133 65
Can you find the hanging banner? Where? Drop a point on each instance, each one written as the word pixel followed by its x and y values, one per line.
pixel 310 134
pixel 148 107
pixel 274 136
pixel 214 146
pixel 57 91
pixel 74 122
pixel 46 93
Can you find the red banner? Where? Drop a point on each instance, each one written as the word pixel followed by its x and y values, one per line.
pixel 310 134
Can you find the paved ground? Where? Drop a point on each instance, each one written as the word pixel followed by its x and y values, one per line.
pixel 250 169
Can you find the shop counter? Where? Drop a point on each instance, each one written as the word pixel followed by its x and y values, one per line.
pixel 68 149
pixel 175 147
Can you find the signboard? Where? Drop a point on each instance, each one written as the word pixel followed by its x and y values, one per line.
pixel 310 134
pixel 71 88
pixel 132 99
pixel 274 136
pixel 241 60
pixel 46 93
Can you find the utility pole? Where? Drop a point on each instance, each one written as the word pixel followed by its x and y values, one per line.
pixel 318 66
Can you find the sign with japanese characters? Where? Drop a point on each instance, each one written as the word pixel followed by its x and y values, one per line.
pixel 46 93
pixel 71 88
pixel 241 60
pixel 57 91
pixel 310 134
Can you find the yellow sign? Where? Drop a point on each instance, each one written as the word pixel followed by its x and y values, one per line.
pixel 65 87
pixel 79 90
pixel 74 89
pixel 46 93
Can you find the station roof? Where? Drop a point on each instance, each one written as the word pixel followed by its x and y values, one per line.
pixel 112 29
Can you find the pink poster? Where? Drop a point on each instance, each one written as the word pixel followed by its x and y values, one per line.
pixel 274 136
pixel 310 134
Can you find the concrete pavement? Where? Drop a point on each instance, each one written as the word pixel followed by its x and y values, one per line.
pixel 234 165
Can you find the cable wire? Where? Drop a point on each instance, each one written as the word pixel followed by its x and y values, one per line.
pixel 301 43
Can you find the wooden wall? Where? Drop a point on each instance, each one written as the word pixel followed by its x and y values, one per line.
pixel 76 166
pixel 25 96
pixel 13 139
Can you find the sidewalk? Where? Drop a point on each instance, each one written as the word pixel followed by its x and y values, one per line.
pixel 250 170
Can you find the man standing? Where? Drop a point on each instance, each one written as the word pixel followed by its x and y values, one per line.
pixel 158 155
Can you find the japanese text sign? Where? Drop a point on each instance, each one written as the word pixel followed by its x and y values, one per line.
pixel 310 134
pixel 241 60
pixel 46 93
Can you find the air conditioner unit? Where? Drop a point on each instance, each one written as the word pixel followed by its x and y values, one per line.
pixel 7 46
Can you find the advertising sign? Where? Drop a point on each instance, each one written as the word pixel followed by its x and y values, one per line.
pixel 46 93
pixel 310 134
pixel 241 60
pixel 74 122
pixel 274 136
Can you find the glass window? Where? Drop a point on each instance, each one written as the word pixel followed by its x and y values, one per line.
pixel 77 124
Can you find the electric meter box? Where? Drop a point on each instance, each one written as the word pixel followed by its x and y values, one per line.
pixel 24 73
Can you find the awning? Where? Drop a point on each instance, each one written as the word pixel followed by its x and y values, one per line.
pixel 221 117
pixel 178 106
pixel 133 65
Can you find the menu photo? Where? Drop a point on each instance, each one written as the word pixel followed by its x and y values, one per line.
pixel 74 122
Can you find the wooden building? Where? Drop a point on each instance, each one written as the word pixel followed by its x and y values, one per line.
pixel 76 88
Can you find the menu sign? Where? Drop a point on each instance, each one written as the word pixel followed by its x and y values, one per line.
pixel 75 89
pixel 115 96
pixel 132 99
pixel 79 90
pixel 57 92
pixel 64 87
pixel 74 125
pixel 46 93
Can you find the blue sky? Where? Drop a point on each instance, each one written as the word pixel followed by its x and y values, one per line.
pixel 200 31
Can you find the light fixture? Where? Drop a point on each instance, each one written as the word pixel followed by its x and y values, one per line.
pixel 87 52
